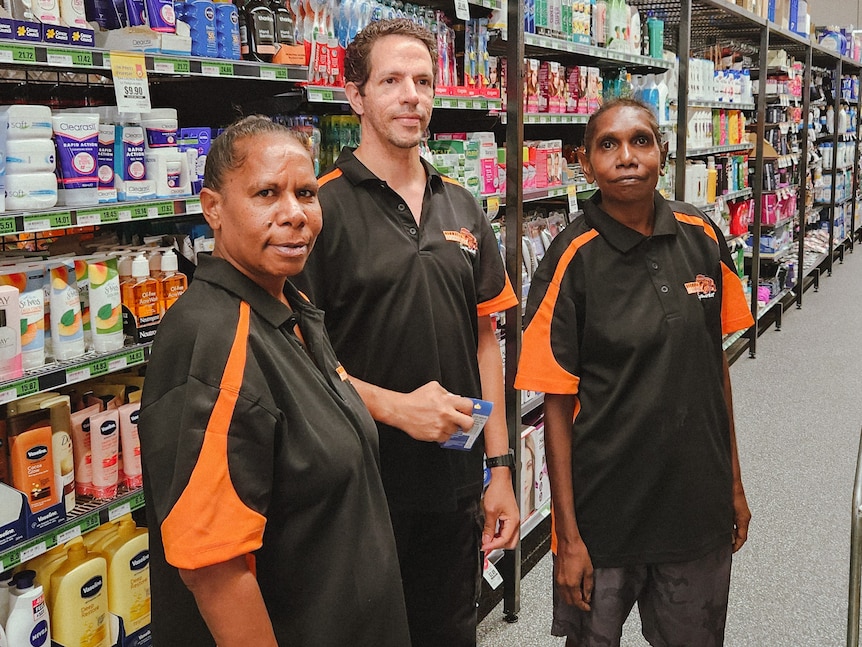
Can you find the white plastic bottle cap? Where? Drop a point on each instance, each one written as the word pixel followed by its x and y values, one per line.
pixel 140 267
pixel 169 261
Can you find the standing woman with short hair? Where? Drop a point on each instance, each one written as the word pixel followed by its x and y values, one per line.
pixel 625 319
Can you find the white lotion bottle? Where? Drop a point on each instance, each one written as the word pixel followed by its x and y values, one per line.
pixel 28 622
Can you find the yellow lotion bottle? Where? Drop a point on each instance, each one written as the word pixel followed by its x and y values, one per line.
pixel 47 563
pixel 128 555
pixel 79 600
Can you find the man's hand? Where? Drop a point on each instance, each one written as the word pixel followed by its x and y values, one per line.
pixel 432 414
pixel 573 573
pixel 502 518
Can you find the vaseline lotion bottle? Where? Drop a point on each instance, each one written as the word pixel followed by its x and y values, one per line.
pixel 28 623
pixel 79 600
pixel 32 459
pixel 128 555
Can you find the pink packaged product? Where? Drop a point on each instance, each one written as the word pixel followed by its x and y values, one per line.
pixel 545 86
pixel 488 179
pixel 769 209
pixel 583 98
pixel 572 88
pixel 531 86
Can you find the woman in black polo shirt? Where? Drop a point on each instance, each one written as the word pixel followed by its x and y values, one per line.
pixel 268 521
pixel 625 320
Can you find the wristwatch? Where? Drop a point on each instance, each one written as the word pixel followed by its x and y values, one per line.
pixel 506 460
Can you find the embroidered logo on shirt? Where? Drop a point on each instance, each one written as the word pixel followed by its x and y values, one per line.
pixel 464 238
pixel 702 286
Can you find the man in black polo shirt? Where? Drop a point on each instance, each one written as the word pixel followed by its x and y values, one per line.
pixel 408 272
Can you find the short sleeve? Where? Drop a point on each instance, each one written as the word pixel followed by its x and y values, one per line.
pixel 735 309
pixel 494 290
pixel 550 346
pixel 212 497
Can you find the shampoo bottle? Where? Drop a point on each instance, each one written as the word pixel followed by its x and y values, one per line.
pixel 28 623
pixel 128 558
pixel 79 600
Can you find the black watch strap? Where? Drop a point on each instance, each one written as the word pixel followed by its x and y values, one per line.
pixel 506 460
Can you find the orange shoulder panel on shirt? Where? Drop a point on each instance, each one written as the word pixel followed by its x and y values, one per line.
pixel 735 310
pixel 503 301
pixel 333 174
pixel 210 524
pixel 448 179
pixel 697 222
pixel 538 369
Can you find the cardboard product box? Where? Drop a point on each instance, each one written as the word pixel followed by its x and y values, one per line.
pixel 572 88
pixel 545 88
pixel 529 163
pixel 541 481
pixel 527 492
pixel 531 86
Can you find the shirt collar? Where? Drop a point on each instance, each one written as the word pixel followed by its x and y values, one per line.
pixel 357 172
pixel 622 237
pixel 223 274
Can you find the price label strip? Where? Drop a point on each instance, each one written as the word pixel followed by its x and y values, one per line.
pixel 462 10
pixel 131 86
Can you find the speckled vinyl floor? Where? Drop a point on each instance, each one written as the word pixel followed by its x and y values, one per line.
pixel 798 415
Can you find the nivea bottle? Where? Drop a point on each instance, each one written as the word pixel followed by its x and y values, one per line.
pixel 227 31
pixel 201 18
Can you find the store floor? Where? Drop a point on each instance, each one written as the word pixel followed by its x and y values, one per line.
pixel 798 417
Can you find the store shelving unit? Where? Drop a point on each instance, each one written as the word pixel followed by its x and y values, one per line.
pixel 689 25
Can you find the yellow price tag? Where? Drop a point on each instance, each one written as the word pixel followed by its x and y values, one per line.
pixel 493 206
pixel 131 86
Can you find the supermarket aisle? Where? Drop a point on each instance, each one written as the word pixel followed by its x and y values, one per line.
pixel 798 415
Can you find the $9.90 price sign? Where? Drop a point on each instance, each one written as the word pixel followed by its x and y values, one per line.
pixel 130 82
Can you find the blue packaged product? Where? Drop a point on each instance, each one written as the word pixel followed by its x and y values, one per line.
pixel 227 31
pixel 129 153
pixel 200 16
pixel 76 136
pixel 108 14
pixel 135 13
pixel 195 142
pixel 160 15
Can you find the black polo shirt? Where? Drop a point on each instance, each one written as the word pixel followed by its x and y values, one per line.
pixel 402 302
pixel 252 445
pixel 633 325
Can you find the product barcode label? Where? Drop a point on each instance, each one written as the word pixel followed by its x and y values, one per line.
pixel 117 364
pixel 77 374
pixel 67 535
pixel 33 551
pixel 118 511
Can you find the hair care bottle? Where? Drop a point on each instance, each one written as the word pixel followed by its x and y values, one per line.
pixel 79 599
pixel 28 622
pixel 128 557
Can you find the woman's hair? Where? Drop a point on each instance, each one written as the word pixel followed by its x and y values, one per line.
pixel 357 57
pixel 590 132
pixel 224 154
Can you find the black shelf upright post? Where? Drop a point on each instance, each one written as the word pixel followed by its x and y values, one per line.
pixel 801 208
pixel 757 189
pixel 510 565
pixel 683 54
pixel 836 137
